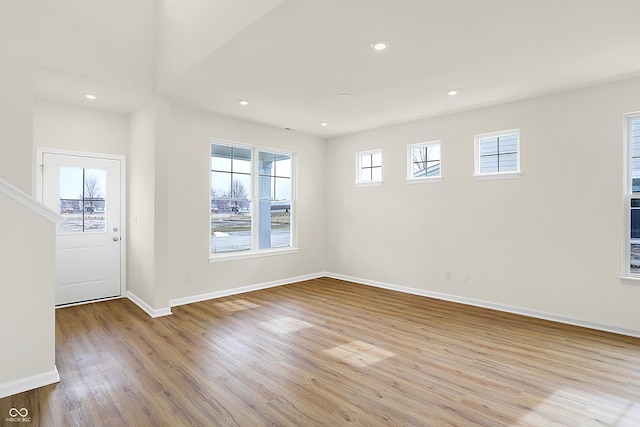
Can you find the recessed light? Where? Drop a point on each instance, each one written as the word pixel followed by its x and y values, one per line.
pixel 243 101
pixel 90 96
pixel 289 129
pixel 324 124
pixel 379 45
pixel 344 95
pixel 453 92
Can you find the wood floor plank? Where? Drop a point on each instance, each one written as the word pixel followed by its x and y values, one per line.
pixel 327 352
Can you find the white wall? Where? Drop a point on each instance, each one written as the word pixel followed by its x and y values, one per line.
pixel 69 127
pixel 189 211
pixel 16 87
pixel 167 151
pixel 549 242
pixel 27 359
pixel 141 204
pixel 189 31
pixel 148 206
pixel 163 178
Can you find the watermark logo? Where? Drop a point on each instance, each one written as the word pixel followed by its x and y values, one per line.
pixel 23 412
pixel 18 416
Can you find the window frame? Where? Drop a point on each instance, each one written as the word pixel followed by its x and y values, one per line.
pixel 368 183
pixel 629 196
pixel 411 179
pixel 254 251
pixel 478 175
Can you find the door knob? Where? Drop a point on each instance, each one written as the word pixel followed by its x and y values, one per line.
pixel 115 239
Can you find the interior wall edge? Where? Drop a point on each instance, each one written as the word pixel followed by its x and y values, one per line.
pixel 152 312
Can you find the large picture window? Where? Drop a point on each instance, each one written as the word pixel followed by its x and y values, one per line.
pixel 252 200
pixel 632 226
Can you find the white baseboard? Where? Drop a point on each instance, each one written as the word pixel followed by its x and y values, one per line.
pixel 242 289
pixel 29 383
pixel 491 305
pixel 153 312
pixel 430 294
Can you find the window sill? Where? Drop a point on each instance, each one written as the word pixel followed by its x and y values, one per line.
pixel 491 176
pixel 368 184
pixel 630 280
pixel 424 180
pixel 254 254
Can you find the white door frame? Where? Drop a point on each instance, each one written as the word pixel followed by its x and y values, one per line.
pixel 40 151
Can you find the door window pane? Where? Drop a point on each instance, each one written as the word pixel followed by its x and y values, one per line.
pixel 82 199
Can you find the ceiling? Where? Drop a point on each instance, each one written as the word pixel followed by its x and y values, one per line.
pixel 295 60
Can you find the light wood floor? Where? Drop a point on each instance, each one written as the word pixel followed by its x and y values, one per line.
pixel 331 353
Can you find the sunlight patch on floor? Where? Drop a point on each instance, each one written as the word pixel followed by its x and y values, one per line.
pixel 285 325
pixel 359 353
pixel 589 406
pixel 236 305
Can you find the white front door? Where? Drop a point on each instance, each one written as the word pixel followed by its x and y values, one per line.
pixel 86 191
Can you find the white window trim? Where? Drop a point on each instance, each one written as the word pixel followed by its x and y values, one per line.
pixel 627 276
pixel 256 252
pixel 232 256
pixel 368 184
pixel 358 182
pixel 425 179
pixel 479 176
pixel 429 180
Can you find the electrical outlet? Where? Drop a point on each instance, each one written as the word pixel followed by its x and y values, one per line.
pixel 447 275
pixel 464 276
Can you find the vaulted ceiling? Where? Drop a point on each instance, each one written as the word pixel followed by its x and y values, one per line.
pixel 303 62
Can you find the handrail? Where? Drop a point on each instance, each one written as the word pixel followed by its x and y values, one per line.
pixel 29 202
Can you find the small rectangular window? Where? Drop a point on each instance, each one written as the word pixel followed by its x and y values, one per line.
pixel 424 162
pixel 369 167
pixel 497 155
